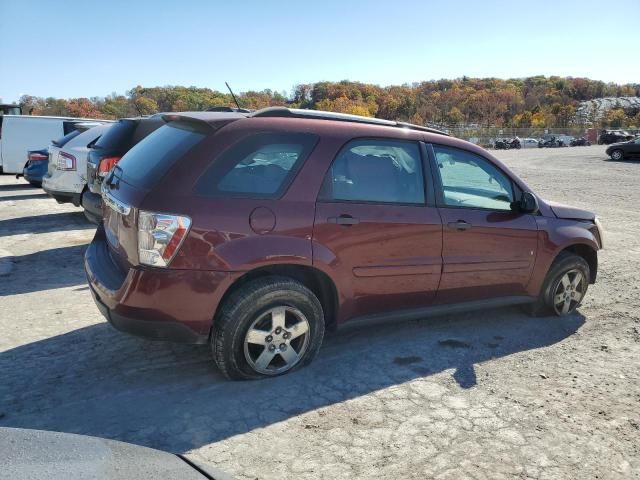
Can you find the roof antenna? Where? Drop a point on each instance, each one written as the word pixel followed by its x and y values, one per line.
pixel 234 97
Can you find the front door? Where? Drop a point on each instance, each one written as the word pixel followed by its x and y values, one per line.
pixel 489 249
pixel 374 230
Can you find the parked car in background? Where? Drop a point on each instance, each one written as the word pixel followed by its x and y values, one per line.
pixel 257 232
pixel 22 133
pixel 624 150
pixel 66 177
pixel 565 139
pixel 38 162
pixel 105 154
pixel 529 143
pixel 608 137
pixel 550 141
pixel 36 166
pixel 580 142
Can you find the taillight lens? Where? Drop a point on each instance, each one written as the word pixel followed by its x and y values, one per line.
pixel 66 161
pixel 106 164
pixel 160 236
pixel 38 157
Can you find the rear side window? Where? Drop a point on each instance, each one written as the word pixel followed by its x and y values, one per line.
pixel 62 141
pixel 259 166
pixel 152 158
pixel 376 170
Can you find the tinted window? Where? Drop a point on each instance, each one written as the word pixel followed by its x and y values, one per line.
pixel 469 180
pixel 118 138
pixel 386 171
pixel 152 158
pixel 260 165
pixel 62 141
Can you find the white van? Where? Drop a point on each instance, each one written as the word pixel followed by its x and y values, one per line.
pixel 21 133
pixel 66 177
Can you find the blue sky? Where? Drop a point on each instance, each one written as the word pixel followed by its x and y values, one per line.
pixel 87 48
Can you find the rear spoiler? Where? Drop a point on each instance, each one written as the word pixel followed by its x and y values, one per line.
pixel 208 121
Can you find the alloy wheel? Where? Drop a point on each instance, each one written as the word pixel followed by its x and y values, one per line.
pixel 569 292
pixel 277 340
pixel 616 155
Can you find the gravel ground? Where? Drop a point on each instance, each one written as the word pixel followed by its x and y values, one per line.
pixel 491 394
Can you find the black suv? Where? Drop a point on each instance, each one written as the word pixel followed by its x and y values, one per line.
pixel 608 137
pixel 620 151
pixel 107 151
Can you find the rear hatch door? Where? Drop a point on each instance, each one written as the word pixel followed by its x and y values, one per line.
pixel 126 187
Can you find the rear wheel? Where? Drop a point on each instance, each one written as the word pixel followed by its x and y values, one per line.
pixel 269 327
pixel 617 154
pixel 564 287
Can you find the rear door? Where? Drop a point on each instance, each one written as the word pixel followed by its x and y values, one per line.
pixel 489 249
pixel 375 229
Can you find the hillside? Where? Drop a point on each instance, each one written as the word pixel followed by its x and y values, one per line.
pixel 525 102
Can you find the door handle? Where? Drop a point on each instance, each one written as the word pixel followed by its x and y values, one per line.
pixel 346 220
pixel 459 225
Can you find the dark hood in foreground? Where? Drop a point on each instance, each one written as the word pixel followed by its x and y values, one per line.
pixel 30 454
pixel 571 213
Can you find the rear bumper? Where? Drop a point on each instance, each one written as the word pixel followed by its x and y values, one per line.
pixel 34 171
pixel 159 304
pixel 62 197
pixel 164 331
pixel 92 204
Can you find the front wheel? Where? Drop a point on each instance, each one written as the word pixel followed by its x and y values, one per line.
pixel 268 327
pixel 564 287
pixel 617 155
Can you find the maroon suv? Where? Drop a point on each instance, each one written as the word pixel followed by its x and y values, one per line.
pixel 257 232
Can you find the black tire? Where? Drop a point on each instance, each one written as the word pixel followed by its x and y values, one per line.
pixel 246 306
pixel 564 262
pixel 617 155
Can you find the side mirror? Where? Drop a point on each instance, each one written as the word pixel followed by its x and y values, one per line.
pixel 529 203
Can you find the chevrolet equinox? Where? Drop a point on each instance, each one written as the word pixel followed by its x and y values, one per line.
pixel 256 232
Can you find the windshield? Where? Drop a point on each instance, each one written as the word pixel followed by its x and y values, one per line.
pixel 152 158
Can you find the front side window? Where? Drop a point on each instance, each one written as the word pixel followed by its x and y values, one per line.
pixel 376 170
pixel 260 165
pixel 471 181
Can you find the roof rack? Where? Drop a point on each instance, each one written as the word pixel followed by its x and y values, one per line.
pixel 341 117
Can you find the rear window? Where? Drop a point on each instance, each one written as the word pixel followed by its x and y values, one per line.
pixel 62 141
pixel 152 158
pixel 117 139
pixel 259 166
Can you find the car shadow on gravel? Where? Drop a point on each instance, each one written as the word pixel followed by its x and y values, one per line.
pixel 98 381
pixel 50 222
pixel 18 187
pixel 42 270
pixel 24 196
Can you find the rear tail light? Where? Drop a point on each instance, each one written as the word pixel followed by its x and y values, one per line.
pixel 106 164
pixel 66 161
pixel 38 157
pixel 160 236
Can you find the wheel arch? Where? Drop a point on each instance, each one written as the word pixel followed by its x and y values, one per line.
pixel 315 280
pixel 588 252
